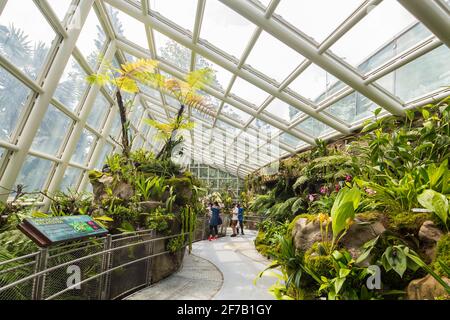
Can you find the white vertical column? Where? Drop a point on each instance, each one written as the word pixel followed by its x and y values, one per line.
pixel 41 104
pixel 79 126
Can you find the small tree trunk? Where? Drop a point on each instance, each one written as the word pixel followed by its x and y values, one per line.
pixel 123 120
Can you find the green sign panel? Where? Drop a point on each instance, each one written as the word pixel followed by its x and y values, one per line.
pixel 48 231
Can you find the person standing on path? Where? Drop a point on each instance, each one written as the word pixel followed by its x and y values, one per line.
pixel 234 220
pixel 240 219
pixel 214 221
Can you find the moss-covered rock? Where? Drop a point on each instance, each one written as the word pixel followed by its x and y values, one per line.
pixel 318 261
pixel 442 254
pixel 407 222
pixel 369 216
pixel 182 188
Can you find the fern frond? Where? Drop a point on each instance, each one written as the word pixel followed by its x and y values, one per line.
pixel 197 79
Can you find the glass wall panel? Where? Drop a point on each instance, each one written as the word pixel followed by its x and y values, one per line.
pixel 115 128
pixel 290 140
pixel 92 39
pixel 99 111
pixel 236 114
pixel 245 90
pixel 60 7
pixel 71 179
pixel 137 115
pixel 180 12
pixel 25 36
pixel 352 108
pixel 13 95
pixel 83 148
pixel 225 28
pixel 386 21
pixel 314 127
pixel 127 27
pixel 221 77
pixel 317 18
pixel 34 173
pixel 107 149
pixel 403 42
pixel 172 51
pixel 421 76
pixel 278 68
pixel 52 132
pixel 314 83
pixel 72 85
pixel 282 110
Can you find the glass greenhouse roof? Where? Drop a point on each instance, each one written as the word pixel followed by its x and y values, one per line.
pixel 286 72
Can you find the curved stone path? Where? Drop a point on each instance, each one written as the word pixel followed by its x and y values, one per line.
pixel 224 269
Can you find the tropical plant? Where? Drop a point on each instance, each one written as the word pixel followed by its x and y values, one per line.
pixel 348 282
pixel 290 263
pixel 343 212
pixel 125 78
pixel 435 202
pixel 159 219
pixel 186 92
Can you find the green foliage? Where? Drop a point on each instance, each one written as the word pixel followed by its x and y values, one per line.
pixel 397 166
pixel 71 203
pixel 347 281
pixel 325 169
pixel 159 220
pixel 442 260
pixel 435 202
pixel 343 210
pixel 267 239
pixel 290 263
pixel 188 221
pixel 150 188
pixel 262 203
pixel 283 211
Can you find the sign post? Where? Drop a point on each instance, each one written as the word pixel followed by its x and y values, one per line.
pixel 48 231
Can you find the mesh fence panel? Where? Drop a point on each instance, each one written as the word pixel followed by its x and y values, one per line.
pixel 57 280
pixel 131 276
pixel 11 272
pixel 108 268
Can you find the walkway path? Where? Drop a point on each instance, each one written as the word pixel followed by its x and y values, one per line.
pixel 223 269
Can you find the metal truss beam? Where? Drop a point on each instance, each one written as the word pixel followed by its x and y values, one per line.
pixel 432 15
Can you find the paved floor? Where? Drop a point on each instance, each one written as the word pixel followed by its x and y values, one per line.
pixel 223 269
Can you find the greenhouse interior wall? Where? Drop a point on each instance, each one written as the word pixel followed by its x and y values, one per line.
pixel 171 127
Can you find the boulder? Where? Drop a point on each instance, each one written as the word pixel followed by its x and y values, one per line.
pixel 429 232
pixel 306 232
pixel 123 190
pixel 429 235
pixel 359 234
pixel 147 206
pixel 426 288
pixel 120 189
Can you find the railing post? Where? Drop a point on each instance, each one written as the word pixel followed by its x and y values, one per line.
pixel 151 249
pixel 106 264
pixel 39 281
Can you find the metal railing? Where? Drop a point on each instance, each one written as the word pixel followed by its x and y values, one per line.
pixel 252 222
pixel 105 268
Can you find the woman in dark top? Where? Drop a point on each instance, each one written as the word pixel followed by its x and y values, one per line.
pixel 214 221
